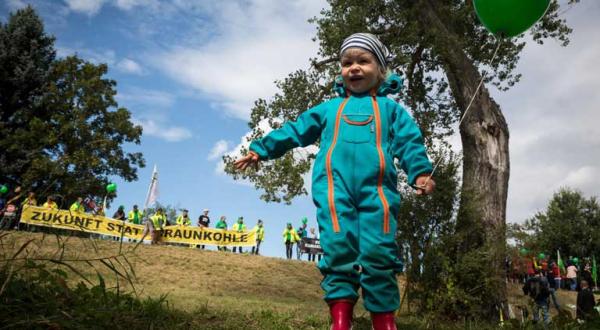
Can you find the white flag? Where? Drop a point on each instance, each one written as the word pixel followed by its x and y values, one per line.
pixel 153 190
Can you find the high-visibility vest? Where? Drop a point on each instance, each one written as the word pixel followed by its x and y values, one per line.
pixel 260 233
pixel 159 220
pixel 183 221
pixel 77 207
pixel 238 226
pixel 292 234
pixel 131 217
pixel 50 205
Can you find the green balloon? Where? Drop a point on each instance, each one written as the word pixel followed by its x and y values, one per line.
pixel 111 188
pixel 509 18
pixel 541 256
pixel 576 260
pixel 524 251
pixel 3 189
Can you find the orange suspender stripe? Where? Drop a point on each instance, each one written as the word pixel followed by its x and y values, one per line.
pixel 330 188
pixel 386 211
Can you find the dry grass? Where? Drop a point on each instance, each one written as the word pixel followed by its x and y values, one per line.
pixel 194 279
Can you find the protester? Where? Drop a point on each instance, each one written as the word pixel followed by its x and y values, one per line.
pixel 585 302
pixel 183 219
pixel 222 224
pixel 314 235
pixel 158 221
pixel 290 236
pixel 538 289
pixel 239 226
pixel 135 216
pixel 203 219
pixel 100 211
pixel 203 222
pixel 556 275
pixel 260 236
pixel 3 189
pixel 572 276
pixel 120 213
pixel 30 200
pixel 357 204
pixel 302 233
pixel 11 211
pixel 77 206
pixel 50 203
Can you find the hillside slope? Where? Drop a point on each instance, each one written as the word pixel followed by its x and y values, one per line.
pixel 211 283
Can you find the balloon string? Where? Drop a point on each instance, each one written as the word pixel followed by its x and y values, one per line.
pixel 466 110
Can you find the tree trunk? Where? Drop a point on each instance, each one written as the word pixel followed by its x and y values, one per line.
pixel 484 136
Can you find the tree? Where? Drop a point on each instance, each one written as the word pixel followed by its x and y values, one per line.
pixel 443 50
pixel 424 227
pixel 61 129
pixel 569 224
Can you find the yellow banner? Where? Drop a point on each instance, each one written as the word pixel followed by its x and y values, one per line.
pixel 89 223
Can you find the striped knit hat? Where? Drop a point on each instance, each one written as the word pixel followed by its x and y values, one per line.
pixel 369 42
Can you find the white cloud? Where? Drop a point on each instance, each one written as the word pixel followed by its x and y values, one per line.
pixel 218 150
pixel 15 4
pixel 162 131
pixel 255 43
pixel 130 66
pixel 88 7
pixel 106 56
pixel 553 118
pixel 130 4
pixel 141 97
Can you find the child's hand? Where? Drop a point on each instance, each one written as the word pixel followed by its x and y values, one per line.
pixel 250 159
pixel 424 184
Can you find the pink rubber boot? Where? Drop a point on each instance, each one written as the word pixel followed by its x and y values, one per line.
pixel 383 321
pixel 341 314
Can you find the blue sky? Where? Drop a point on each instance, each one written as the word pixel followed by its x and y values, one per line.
pixel 189 71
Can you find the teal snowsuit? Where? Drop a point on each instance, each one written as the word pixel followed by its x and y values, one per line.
pixel 354 186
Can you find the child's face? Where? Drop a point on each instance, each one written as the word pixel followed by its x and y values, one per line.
pixel 360 70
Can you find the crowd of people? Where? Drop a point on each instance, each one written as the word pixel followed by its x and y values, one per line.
pixel 11 203
pixel 544 277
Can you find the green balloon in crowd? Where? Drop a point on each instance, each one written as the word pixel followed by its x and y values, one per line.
pixel 576 260
pixel 541 256
pixel 111 188
pixel 3 189
pixel 524 251
pixel 509 18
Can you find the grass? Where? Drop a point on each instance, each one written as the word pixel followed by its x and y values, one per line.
pixel 168 287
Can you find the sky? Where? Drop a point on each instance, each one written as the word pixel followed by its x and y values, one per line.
pixel 189 72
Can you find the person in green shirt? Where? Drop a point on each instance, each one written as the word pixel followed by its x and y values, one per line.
pixel 290 236
pixel 260 235
pixel 77 206
pixel 135 215
pixel 239 226
pixel 222 224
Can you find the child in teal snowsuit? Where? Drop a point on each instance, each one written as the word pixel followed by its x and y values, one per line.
pixel 354 181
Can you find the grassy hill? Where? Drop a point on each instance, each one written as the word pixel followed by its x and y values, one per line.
pixel 198 289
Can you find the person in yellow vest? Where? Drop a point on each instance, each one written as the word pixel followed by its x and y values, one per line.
pixel 30 200
pixel 183 219
pixel 158 220
pixel 50 203
pixel 135 216
pixel 260 236
pixel 290 236
pixel 239 226
pixel 77 206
